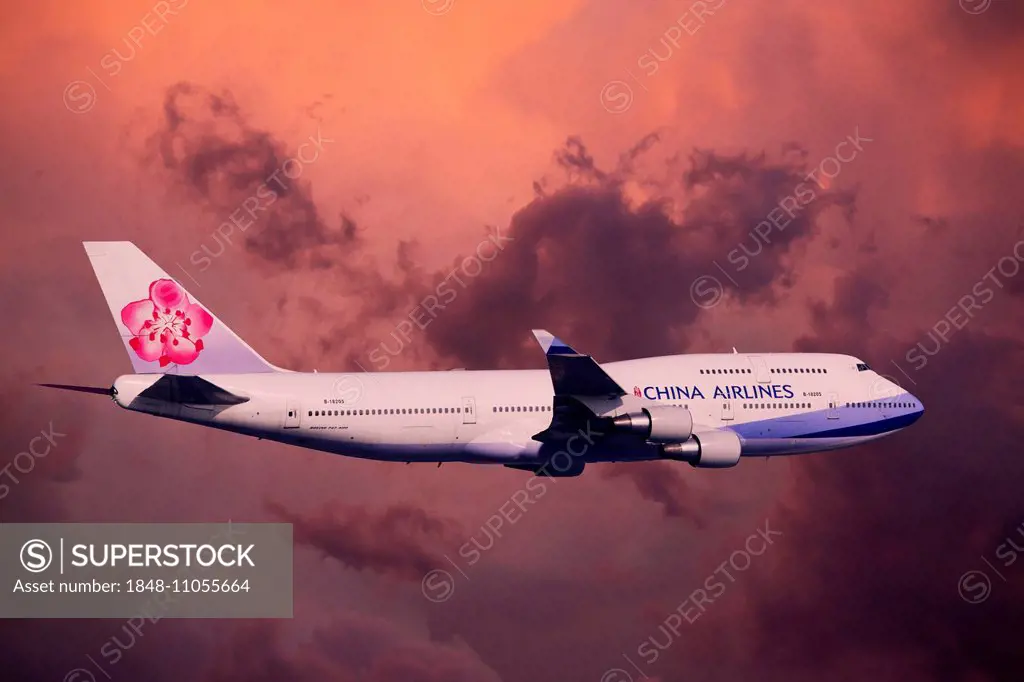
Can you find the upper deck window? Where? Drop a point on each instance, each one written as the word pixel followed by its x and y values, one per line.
pixel 862 367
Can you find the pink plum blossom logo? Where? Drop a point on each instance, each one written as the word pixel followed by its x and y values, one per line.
pixel 166 326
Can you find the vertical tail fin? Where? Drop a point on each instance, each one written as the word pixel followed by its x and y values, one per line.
pixel 163 327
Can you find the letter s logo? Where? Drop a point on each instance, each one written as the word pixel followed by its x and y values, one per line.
pixel 36 556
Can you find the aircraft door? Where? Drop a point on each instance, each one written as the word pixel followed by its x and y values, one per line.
pixel 833 406
pixel 468 410
pixel 727 411
pixel 291 414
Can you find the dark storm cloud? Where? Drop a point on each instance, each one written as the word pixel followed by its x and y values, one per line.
pixel 247 177
pixel 663 483
pixel 401 540
pixel 583 259
pixel 839 322
pixel 587 263
pixel 256 188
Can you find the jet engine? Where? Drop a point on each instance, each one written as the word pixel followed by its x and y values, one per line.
pixel 657 423
pixel 709 449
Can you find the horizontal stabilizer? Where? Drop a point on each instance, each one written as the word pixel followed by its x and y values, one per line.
pixel 81 389
pixel 190 390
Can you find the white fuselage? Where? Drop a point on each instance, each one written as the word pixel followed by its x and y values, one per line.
pixel 778 404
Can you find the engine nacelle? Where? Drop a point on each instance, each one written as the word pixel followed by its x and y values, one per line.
pixel 657 423
pixel 710 449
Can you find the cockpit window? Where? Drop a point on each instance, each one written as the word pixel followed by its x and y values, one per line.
pixel 862 367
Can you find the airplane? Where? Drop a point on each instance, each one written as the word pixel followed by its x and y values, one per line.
pixel 707 410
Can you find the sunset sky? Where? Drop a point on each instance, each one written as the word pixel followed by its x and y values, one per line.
pixel 621 153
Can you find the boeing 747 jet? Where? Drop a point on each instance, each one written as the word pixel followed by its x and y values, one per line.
pixel 707 410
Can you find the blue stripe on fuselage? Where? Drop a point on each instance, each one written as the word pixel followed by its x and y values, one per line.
pixel 872 428
pixel 818 425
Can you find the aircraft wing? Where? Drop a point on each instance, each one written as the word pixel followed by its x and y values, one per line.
pixel 574 376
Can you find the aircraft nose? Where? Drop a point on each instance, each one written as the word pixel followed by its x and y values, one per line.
pixel 917 408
